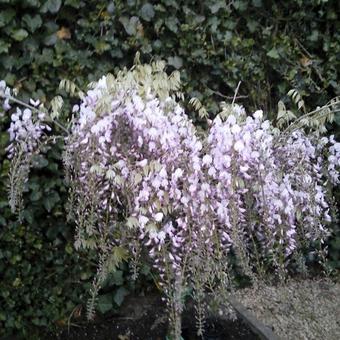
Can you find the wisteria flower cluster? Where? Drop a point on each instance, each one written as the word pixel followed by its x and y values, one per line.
pixel 270 195
pixel 143 181
pixel 138 176
pixel 5 93
pixel 27 128
pixel 26 131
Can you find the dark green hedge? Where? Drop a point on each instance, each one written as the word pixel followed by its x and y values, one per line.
pixel 270 46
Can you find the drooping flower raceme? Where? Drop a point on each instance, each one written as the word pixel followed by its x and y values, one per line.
pixel 27 129
pixel 271 194
pixel 136 173
pixel 5 92
pixel 26 132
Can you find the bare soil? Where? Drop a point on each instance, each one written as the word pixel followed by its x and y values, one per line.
pixel 145 318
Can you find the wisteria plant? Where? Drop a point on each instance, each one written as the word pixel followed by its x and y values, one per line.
pixel 144 182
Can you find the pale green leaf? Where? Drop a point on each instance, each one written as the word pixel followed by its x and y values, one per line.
pixel 19 34
pixel 273 53
pixel 120 295
pixel 147 12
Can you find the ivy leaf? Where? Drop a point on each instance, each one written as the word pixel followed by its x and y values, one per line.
pixel 101 46
pixel 105 303
pixel 118 277
pixel 252 25
pixel 240 5
pixel 172 24
pixel 2 221
pixel 32 22
pixel 51 6
pixel 51 39
pixel 74 3
pixel 4 46
pixel 32 3
pixel 273 53
pixel 51 200
pixel 39 161
pixel 19 34
pixel 130 25
pixel 257 3
pixel 111 8
pixel 35 196
pixel 176 62
pixel 120 295
pixel 28 215
pixel 147 12
pixel 217 6
pixel 6 16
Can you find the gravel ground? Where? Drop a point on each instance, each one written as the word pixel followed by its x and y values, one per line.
pixel 298 310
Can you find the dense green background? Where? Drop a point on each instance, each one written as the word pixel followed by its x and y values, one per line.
pixel 270 46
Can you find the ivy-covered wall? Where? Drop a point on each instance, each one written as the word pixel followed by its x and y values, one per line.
pixel 269 46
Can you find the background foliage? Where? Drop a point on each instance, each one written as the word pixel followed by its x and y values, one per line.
pixel 270 46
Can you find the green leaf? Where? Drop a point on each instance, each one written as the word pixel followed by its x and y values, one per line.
pixel 257 3
pixel 130 25
pixel 19 34
pixel 120 295
pixel 51 200
pixel 39 161
pixel 132 222
pixel 51 39
pixel 101 46
pixel 111 8
pixel 314 36
pixel 32 22
pixel 119 254
pixel 252 25
pixel 51 6
pixel 117 277
pixel 85 275
pixel 46 56
pixel 35 196
pixel 145 270
pixel 6 16
pixel 240 5
pixel 217 5
pixel 147 12
pixel 32 3
pixel 273 53
pixel 105 303
pixel 172 24
pixel 28 215
pixel 74 3
pixel 4 46
pixel 52 233
pixel 2 221
pixel 176 62
pixel 69 249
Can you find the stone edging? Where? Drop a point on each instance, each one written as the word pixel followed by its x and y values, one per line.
pixel 256 326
